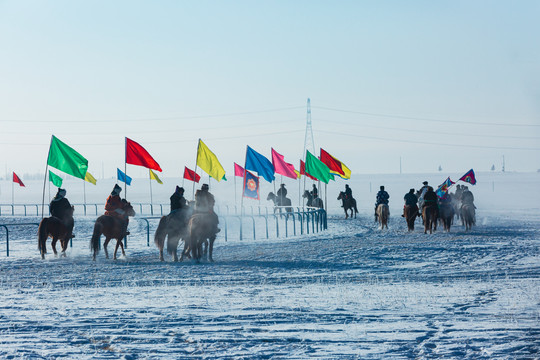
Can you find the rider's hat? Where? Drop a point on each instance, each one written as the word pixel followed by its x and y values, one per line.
pixel 204 187
pixel 425 183
pixel 382 187
pixel 61 192
pixel 179 189
pixel 116 190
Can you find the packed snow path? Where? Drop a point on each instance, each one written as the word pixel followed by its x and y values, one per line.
pixel 351 292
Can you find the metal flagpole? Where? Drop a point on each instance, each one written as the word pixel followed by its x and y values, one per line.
pixel 45 180
pixel 151 200
pixel 243 185
pixel 12 192
pixel 198 146
pixel 84 192
pixel 235 195
pixel 326 197
pixel 125 172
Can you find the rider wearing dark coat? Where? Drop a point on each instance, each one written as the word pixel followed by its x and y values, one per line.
pixel 59 207
pixel 410 200
pixel 382 198
pixel 314 192
pixel 282 193
pixel 348 192
pixel 204 203
pixel 467 197
pixel 430 198
pixel 115 207
pixel 177 199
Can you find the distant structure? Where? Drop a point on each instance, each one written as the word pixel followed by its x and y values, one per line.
pixel 440 168
pixel 309 143
pixel 503 164
pixel 493 167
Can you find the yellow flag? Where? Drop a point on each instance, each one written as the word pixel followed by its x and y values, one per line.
pixel 153 176
pixel 88 177
pixel 209 162
pixel 297 174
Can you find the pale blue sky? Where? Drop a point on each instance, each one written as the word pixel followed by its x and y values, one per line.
pixel 386 79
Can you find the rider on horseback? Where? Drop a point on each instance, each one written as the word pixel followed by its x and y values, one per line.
pixel 430 198
pixel 204 203
pixel 177 199
pixel 282 193
pixel 348 194
pixel 59 207
pixel 382 198
pixel 410 200
pixel 314 192
pixel 115 207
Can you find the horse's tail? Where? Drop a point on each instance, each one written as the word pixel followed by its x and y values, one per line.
pixel 43 234
pixel 161 233
pixel 94 242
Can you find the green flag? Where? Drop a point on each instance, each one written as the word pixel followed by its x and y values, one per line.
pixel 65 159
pixel 55 179
pixel 317 168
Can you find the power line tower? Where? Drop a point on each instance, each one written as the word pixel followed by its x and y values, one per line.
pixel 309 143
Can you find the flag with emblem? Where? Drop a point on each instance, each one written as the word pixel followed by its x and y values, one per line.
pixel 251 186
pixel 469 177
pixel 443 188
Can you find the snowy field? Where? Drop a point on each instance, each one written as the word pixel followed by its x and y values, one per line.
pixel 350 292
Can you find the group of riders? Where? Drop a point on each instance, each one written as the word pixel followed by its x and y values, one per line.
pixel 115 205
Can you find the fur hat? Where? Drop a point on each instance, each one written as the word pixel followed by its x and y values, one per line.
pixel 411 191
pixel 179 189
pixel 382 187
pixel 204 187
pixel 425 183
pixel 116 190
pixel 61 193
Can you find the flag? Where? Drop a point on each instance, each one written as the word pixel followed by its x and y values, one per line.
pixel 153 176
pixel 443 188
pixel 281 167
pixel 88 177
pixel 336 167
pixel 137 155
pixel 260 164
pixel 303 171
pixel 251 186
pixel 298 175
pixel 317 168
pixel 209 162
pixel 191 175
pixel 469 177
pixel 123 177
pixel 55 179
pixel 238 170
pixel 65 159
pixel 17 180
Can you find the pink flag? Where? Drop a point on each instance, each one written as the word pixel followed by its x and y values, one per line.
pixel 238 170
pixel 282 167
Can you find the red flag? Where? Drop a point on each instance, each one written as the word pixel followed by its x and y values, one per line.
pixel 238 170
pixel 17 179
pixel 281 167
pixel 191 175
pixel 137 155
pixel 332 163
pixel 303 171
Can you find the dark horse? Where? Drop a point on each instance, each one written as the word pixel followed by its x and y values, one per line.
pixel 429 214
pixel 410 215
pixel 173 227
pixel 468 216
pixel 446 215
pixel 58 229
pixel 112 228
pixel 311 201
pixel 201 231
pixel 348 204
pixel 279 202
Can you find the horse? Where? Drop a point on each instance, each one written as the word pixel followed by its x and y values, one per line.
pixel 173 227
pixel 280 202
pixel 410 215
pixel 311 201
pixel 58 229
pixel 383 211
pixel 201 232
pixel 468 215
pixel 348 204
pixel 113 228
pixel 446 215
pixel 429 215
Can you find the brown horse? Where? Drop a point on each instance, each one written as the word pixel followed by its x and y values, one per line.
pixel 383 213
pixel 311 201
pixel 446 215
pixel 411 212
pixel 173 227
pixel 201 231
pixel 429 215
pixel 468 216
pixel 58 229
pixel 113 228
pixel 348 204
pixel 279 203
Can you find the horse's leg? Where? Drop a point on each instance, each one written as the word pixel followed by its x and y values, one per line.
pixel 64 243
pixel 121 244
pixel 53 244
pixel 211 248
pixel 105 243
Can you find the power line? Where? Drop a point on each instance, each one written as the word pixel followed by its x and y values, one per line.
pixel 159 118
pixel 426 142
pixel 425 119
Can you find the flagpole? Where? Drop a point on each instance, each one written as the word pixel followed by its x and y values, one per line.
pixel 84 192
pixel 243 184
pixel 183 177
pixel 12 193
pixel 150 181
pixel 299 184
pixel 125 169
pixel 326 197
pixel 45 180
pixel 196 158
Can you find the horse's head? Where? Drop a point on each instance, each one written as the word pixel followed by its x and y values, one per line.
pixel 271 196
pixel 341 195
pixel 128 208
pixel 306 194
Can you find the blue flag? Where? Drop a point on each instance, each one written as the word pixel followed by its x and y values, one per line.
pixel 123 177
pixel 443 188
pixel 251 186
pixel 260 164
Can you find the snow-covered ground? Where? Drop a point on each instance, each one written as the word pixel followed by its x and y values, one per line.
pixel 350 292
